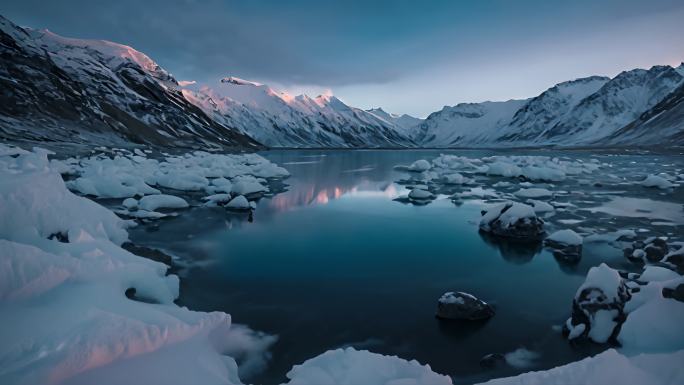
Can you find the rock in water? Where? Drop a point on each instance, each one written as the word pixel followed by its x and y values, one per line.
pixel 492 360
pixel 463 306
pixel 652 249
pixel 598 305
pixel 513 220
pixel 566 244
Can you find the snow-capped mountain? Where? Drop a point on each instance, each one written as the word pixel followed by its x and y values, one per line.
pixel 552 106
pixel 93 91
pixel 403 123
pixel 592 111
pixel 278 119
pixel 617 103
pixel 662 124
pixel 466 124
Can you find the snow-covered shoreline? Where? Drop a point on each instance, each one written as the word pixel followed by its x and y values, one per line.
pixel 64 277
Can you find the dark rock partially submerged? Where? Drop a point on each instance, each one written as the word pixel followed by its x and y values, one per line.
pixel 492 360
pixel 463 306
pixel 652 250
pixel 512 220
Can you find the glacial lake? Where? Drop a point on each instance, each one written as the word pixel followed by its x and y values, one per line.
pixel 336 261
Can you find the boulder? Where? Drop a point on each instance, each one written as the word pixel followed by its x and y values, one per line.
pixel 599 306
pixel 492 360
pixel 512 220
pixel 652 250
pixel 566 245
pixel 463 306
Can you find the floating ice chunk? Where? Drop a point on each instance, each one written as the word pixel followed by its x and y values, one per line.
pixel 184 181
pixel 355 367
pixel 162 201
pixel 454 178
pixel 566 237
pixel 543 173
pixel 248 186
pixel 575 331
pixel 130 203
pixel 541 206
pixel 522 358
pixel 142 214
pixel 218 199
pixel 657 181
pixel 420 194
pixel 419 166
pixel 534 193
pixel 238 203
pixel 502 168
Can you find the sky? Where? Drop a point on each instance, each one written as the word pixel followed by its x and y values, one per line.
pixel 404 56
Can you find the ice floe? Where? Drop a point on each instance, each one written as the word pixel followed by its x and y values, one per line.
pixel 353 367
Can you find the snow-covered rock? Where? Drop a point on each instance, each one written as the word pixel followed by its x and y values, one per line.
pixel 463 306
pixel 566 244
pixel 238 203
pixel 599 304
pixel 512 220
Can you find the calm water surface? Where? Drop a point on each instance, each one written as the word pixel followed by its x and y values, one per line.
pixel 334 261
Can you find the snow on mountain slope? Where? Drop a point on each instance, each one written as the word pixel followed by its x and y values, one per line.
pixel 616 104
pixel 403 123
pixel 466 124
pixel 582 112
pixel 550 107
pixel 662 124
pixel 97 92
pixel 278 119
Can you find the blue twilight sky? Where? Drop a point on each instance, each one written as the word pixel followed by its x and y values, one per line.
pixel 406 56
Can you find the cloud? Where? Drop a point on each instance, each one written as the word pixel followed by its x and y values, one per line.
pixel 185 83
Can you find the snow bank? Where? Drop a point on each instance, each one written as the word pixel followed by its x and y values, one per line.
pixel 609 367
pixel 76 308
pixel 354 367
